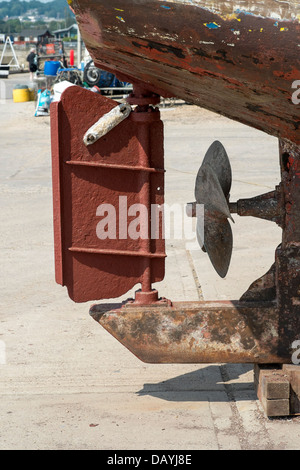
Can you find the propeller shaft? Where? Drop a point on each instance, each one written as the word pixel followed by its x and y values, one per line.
pixel 267 206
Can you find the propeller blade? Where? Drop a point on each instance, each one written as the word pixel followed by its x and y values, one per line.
pixel 216 156
pixel 212 188
pixel 218 243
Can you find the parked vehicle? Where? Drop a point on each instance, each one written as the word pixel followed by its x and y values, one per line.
pixel 93 76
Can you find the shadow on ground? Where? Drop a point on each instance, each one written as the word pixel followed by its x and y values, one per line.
pixel 210 383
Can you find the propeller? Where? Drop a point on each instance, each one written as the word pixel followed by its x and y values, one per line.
pixel 212 189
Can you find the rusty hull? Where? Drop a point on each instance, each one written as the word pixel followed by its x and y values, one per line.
pixel 260 328
pixel 238 59
pixel 241 64
pixel 199 332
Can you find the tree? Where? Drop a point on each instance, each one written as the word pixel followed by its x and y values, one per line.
pixel 12 26
pixel 17 8
pixel 55 9
pixel 55 25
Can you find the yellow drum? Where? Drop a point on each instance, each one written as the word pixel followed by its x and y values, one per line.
pixel 21 94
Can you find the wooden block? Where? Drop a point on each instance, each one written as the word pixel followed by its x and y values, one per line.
pixel 258 383
pixel 258 379
pixel 293 374
pixel 289 368
pixel 275 385
pixel 295 382
pixel 258 368
pixel 274 408
pixel 273 389
pixel 294 403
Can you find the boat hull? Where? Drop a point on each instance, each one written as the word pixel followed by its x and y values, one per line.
pixel 241 65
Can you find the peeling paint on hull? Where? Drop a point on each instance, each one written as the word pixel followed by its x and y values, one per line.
pixel 280 9
pixel 242 69
pixel 203 332
pixel 223 56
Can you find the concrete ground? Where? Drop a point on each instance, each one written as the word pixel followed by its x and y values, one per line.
pixel 65 383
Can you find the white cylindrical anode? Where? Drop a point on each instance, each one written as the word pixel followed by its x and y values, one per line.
pixel 106 123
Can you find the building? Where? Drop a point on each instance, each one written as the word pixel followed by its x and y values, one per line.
pixel 33 36
pixel 70 32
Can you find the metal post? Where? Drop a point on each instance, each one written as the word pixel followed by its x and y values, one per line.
pixel 79 49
